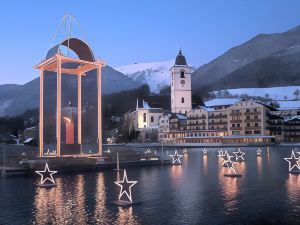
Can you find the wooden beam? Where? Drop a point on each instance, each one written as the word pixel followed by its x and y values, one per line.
pixel 79 109
pixel 41 120
pixel 58 108
pixel 99 93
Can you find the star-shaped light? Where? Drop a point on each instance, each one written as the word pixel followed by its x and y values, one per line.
pixel 185 151
pixel 148 151
pixel 239 155
pixel 225 155
pixel 221 153
pixel 46 174
pixel 230 163
pixel 108 151
pixel 293 162
pixel 126 186
pixel 204 151
pixel 176 157
pixel 259 152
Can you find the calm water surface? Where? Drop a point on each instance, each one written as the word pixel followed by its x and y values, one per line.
pixel 194 193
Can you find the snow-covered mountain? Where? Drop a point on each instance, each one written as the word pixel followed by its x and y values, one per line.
pixel 155 74
pixel 274 93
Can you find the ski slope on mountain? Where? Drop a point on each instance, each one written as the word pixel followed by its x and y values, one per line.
pixel 155 74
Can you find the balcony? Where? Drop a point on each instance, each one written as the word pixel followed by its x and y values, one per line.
pixel 252 128
pixel 235 121
pixel 235 128
pixel 217 116
pixel 252 113
pixel 235 114
pixel 252 120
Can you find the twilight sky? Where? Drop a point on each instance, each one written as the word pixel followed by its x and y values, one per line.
pixel 127 31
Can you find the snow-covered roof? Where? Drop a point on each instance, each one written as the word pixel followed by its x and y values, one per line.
pixel 181 117
pixel 221 101
pixel 28 140
pixel 292 118
pixel 284 105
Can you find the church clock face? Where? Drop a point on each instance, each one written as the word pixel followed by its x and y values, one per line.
pixel 182 82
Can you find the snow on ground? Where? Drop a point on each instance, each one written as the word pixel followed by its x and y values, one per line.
pixel 275 93
pixel 156 74
pixel 289 104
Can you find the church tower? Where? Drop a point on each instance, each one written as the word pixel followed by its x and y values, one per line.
pixel 181 90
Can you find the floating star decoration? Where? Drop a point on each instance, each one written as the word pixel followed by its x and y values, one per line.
pixel 225 155
pixel 185 151
pixel 148 151
pixel 46 174
pixel 239 155
pixel 221 153
pixel 259 152
pixel 108 151
pixel 293 162
pixel 204 151
pixel 125 186
pixel 176 158
pixel 230 164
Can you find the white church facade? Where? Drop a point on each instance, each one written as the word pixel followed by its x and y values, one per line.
pixel 181 87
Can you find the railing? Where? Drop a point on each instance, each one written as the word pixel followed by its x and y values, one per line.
pixel 253 113
pixel 235 128
pixel 252 128
pixel 235 121
pixel 252 120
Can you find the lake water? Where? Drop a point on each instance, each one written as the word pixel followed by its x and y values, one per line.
pixel 195 192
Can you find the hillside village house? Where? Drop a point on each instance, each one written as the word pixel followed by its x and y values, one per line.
pixel 226 120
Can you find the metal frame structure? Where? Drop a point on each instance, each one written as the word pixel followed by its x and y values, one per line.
pixel 55 64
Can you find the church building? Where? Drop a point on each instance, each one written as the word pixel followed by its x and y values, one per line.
pixel 181 90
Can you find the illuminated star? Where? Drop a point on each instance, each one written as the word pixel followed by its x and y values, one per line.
pixel 185 151
pixel 221 153
pixel 259 151
pixel 126 186
pixel 293 161
pixel 176 157
pixel 225 156
pixel 148 151
pixel 239 155
pixel 204 151
pixel 230 163
pixel 46 174
pixel 108 151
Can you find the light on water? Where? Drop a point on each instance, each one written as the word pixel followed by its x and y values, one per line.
pixel 195 192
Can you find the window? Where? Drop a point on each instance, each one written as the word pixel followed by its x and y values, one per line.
pixel 182 99
pixel 145 117
pixel 247 110
pixel 256 124
pixel 248 124
pixel 152 119
pixel 238 125
pixel 182 74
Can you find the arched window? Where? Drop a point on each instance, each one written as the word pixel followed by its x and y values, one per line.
pixel 182 99
pixel 152 119
pixel 145 117
pixel 182 74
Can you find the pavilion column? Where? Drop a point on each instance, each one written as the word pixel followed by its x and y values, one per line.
pixel 99 90
pixel 58 107
pixel 79 109
pixel 41 120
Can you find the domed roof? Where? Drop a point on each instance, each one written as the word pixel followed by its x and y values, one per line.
pixel 180 59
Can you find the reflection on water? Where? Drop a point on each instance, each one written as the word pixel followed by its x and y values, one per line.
pixel 205 164
pixel 259 165
pixel 125 216
pixel 195 192
pixel 293 193
pixel 228 190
